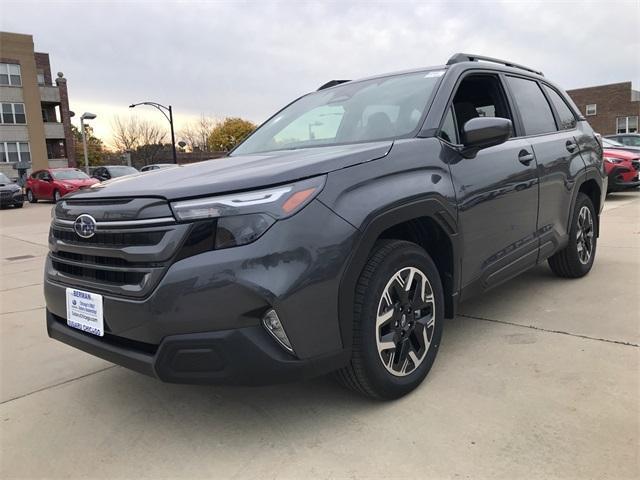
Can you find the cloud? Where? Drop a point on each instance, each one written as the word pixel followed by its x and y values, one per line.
pixel 250 58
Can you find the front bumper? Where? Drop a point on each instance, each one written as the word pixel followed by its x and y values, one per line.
pixel 622 178
pixel 243 356
pixel 294 268
pixel 15 199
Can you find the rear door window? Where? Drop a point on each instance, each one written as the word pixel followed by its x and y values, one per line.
pixel 535 111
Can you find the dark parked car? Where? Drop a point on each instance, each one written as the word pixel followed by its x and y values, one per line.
pixel 337 237
pixel 55 183
pixel 107 172
pixel 10 193
pixel 156 166
pixel 629 139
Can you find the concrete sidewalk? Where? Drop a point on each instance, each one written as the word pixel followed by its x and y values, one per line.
pixel 540 378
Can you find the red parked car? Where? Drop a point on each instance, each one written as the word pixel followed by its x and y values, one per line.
pixel 622 168
pixel 55 183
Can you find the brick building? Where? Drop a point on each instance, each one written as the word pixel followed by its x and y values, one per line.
pixel 610 109
pixel 35 121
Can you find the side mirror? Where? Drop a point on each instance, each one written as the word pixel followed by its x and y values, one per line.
pixel 484 132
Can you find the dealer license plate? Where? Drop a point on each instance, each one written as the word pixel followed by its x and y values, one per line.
pixel 84 311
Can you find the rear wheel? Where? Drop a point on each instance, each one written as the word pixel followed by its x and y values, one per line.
pixel 56 196
pixel 398 316
pixel 31 197
pixel 576 259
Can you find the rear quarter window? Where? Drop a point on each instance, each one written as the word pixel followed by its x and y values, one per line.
pixel 565 115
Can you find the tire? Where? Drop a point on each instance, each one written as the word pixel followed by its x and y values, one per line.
pixel 18 205
pixel 571 261
pixel 373 370
pixel 56 196
pixel 31 197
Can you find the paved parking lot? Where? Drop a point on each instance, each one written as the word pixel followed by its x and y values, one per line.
pixel 538 379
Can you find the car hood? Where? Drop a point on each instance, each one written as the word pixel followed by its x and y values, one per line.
pixel 236 173
pixel 621 154
pixel 79 182
pixel 11 187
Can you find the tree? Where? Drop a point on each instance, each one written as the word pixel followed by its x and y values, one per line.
pixel 145 140
pixel 132 133
pixel 196 133
pixel 95 148
pixel 229 132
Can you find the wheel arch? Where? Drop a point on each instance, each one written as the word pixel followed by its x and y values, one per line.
pixel 427 223
pixel 591 184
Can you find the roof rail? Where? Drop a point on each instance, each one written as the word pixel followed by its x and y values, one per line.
pixel 332 83
pixel 466 57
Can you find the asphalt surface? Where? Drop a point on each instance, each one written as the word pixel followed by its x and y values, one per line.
pixel 540 378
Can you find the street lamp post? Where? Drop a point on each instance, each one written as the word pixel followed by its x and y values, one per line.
pixel 85 116
pixel 169 117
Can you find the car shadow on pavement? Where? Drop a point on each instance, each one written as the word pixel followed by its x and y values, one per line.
pixel 211 409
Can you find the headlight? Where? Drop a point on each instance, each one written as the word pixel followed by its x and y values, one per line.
pixel 612 160
pixel 242 218
pixel 277 202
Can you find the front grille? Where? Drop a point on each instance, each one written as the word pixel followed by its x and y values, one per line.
pixel 124 257
pixel 114 239
pixel 6 194
pixel 117 277
pixel 96 260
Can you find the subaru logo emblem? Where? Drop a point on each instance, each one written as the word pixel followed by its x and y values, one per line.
pixel 85 226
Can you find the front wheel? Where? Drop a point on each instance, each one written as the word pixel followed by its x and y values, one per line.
pixel 31 197
pixel 56 196
pixel 398 317
pixel 576 259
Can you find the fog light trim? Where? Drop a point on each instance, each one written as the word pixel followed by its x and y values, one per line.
pixel 273 325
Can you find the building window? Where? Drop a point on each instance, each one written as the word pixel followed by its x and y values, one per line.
pixel 15 152
pixel 627 124
pixel 12 113
pixel 40 77
pixel 10 74
pixel 592 109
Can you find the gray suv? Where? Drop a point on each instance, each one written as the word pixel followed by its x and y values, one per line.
pixel 337 237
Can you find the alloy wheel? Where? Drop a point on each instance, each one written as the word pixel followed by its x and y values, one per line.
pixel 584 236
pixel 405 321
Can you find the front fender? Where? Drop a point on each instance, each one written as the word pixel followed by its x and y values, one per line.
pixel 412 182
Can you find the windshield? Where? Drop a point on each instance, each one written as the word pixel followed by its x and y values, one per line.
pixel 611 143
pixel 370 110
pixel 121 171
pixel 69 175
pixel 4 178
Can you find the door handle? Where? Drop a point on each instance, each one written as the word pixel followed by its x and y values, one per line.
pixel 571 146
pixel 525 157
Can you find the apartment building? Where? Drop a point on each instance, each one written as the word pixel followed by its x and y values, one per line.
pixel 35 120
pixel 610 109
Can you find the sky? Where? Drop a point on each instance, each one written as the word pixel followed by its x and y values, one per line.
pixel 248 59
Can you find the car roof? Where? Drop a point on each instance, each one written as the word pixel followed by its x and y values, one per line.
pixel 458 61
